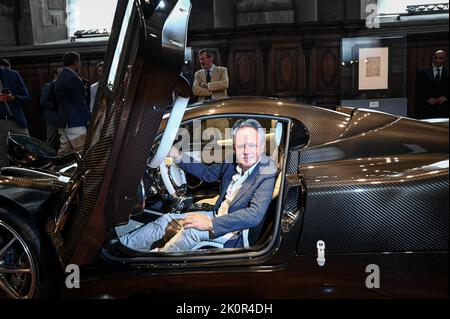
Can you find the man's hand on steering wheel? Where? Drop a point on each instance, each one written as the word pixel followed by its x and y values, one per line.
pixel 175 153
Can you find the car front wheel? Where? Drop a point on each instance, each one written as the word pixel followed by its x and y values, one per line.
pixel 20 274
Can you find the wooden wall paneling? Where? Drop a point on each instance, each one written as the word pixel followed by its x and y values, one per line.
pixel 265 47
pixel 324 79
pixel 287 49
pixel 411 76
pixel 328 70
pixel 285 67
pixel 34 76
pixel 244 72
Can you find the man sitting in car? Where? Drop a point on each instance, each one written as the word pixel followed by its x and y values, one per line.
pixel 245 194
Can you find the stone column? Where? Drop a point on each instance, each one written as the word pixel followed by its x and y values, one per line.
pixel 202 15
pixel 41 21
pixel 265 45
pixel 254 12
pixel 352 9
pixel 307 46
pixel 224 50
pixel 330 10
pixel 25 24
pixel 224 13
pixel 305 10
pixel 7 23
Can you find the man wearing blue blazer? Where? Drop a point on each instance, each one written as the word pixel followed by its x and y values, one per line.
pixel 245 194
pixel 14 95
pixel 73 111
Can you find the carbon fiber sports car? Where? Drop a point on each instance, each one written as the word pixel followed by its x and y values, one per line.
pixel 359 210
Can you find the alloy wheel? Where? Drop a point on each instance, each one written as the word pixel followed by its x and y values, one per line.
pixel 17 266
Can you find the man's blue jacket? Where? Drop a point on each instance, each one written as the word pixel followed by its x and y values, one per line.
pixel 12 80
pixel 250 204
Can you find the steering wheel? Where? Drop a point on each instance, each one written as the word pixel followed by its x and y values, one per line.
pixel 174 179
pixel 168 181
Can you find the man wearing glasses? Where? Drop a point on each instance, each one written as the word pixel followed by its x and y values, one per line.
pixel 245 194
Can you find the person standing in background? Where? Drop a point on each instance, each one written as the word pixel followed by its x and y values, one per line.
pixel 49 106
pixel 13 96
pixel 211 82
pixel 73 113
pixel 5 63
pixel 99 68
pixel 432 88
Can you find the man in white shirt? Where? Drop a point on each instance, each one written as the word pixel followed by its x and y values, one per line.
pixel 432 88
pixel 245 194
pixel 211 81
pixel 99 68
pixel 73 111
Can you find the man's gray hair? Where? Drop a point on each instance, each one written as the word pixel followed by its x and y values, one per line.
pixel 208 52
pixel 250 123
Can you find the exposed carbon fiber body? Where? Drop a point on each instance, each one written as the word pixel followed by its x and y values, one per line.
pixel 28 193
pixel 322 125
pixel 378 188
pixel 126 116
pixel 372 186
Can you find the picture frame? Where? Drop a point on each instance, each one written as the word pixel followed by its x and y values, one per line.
pixel 56 4
pixel 373 68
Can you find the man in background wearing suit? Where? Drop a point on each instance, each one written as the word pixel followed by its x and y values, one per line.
pixel 432 88
pixel 99 68
pixel 49 107
pixel 13 95
pixel 73 111
pixel 211 82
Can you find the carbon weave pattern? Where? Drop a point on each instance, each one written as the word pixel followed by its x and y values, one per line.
pixel 409 216
pixel 108 110
pixel 404 136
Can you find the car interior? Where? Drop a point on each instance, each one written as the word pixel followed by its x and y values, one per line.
pixel 190 194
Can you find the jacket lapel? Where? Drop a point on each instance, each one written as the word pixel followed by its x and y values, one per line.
pixel 250 180
pixel 2 78
pixel 430 73
pixel 203 75
pixel 214 74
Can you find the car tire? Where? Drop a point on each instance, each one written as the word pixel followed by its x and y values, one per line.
pixel 22 251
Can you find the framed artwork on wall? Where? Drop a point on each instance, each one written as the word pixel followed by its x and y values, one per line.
pixel 373 68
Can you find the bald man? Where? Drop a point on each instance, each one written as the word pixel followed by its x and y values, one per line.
pixel 432 88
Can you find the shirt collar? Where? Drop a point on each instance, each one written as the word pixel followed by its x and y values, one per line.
pixel 211 69
pixel 67 68
pixel 249 171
